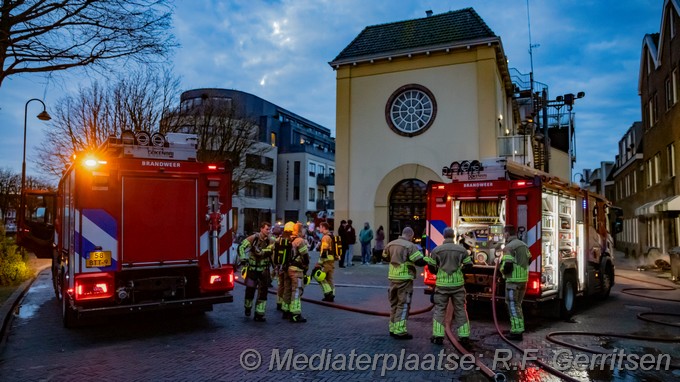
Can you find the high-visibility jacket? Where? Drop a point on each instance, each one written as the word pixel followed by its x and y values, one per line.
pixel 403 255
pixel 517 253
pixel 256 251
pixel 450 258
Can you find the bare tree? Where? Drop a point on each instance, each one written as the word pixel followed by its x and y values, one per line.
pixel 10 185
pixel 52 35
pixel 224 132
pixel 84 121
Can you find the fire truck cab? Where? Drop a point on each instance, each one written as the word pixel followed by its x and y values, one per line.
pixel 141 225
pixel 565 227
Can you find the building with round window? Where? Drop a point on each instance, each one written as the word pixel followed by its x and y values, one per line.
pixel 412 97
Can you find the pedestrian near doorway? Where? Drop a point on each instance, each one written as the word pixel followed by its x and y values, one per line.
pixel 365 238
pixel 351 238
pixel 343 239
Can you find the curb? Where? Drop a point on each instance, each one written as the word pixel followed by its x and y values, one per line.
pixel 8 307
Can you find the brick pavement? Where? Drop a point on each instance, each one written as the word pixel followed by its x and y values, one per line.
pixel 208 347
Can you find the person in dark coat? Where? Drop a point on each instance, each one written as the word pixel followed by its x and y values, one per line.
pixel 343 239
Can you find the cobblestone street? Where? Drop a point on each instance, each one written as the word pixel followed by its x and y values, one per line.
pixel 216 346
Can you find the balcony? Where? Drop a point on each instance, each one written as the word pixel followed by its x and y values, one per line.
pixel 325 204
pixel 325 180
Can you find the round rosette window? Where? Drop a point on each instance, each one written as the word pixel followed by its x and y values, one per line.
pixel 411 110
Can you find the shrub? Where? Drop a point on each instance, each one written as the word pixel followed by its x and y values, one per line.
pixel 13 267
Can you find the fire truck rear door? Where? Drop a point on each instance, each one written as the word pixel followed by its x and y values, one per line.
pixel 159 219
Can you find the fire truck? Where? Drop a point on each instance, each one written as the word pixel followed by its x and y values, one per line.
pixel 566 228
pixel 142 225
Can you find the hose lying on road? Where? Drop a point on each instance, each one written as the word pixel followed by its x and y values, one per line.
pixel 351 308
pixel 543 365
pixel 642 316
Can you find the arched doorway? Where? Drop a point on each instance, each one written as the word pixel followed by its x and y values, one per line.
pixel 407 207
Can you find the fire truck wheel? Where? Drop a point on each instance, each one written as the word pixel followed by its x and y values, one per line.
pixel 568 301
pixel 56 277
pixel 68 315
pixel 606 282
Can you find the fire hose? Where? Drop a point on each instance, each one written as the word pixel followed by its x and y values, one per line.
pixel 642 316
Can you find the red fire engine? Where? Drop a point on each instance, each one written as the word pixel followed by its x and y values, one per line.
pixel 141 225
pixel 566 228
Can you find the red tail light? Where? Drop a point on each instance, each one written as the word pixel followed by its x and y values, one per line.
pixel 534 284
pixel 218 279
pixel 94 286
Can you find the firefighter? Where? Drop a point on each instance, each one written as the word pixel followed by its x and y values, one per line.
pixel 255 253
pixel 514 266
pixel 282 251
pixel 297 274
pixel 403 256
pixel 326 263
pixel 451 259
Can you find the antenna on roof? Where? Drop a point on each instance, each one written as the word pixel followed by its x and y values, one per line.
pixel 531 57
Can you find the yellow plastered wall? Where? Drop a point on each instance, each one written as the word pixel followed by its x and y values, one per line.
pixel 371 158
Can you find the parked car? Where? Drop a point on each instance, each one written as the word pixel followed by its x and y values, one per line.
pixel 10 228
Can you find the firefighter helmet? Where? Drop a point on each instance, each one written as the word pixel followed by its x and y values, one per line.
pixel 289 226
pixel 319 275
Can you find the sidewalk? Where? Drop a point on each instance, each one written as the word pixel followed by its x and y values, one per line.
pixel 8 306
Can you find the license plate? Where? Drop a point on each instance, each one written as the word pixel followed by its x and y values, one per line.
pixel 98 259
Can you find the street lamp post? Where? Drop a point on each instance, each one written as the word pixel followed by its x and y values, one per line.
pixel 582 180
pixel 43 116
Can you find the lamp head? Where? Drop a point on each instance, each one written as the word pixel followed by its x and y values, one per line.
pixel 44 116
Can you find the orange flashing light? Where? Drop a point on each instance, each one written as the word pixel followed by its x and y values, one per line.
pixel 440 187
pixel 212 167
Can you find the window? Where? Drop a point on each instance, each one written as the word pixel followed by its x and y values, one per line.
pixel 634 182
pixel 330 195
pixel 312 169
pixel 669 94
pixel 674 85
pixel 320 194
pixel 312 194
pixel 649 173
pixel 259 190
pixel 652 111
pixel 272 139
pixel 657 160
pixel 671 160
pixel 322 170
pixel 296 180
pixel 627 182
pixel 411 110
pixel 259 162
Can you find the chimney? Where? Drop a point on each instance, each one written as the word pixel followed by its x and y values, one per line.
pixel 428 12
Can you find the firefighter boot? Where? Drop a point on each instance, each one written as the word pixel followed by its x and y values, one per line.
pixel 297 318
pixel 286 315
pixel 437 340
pixel 278 306
pixel 259 318
pixel 328 297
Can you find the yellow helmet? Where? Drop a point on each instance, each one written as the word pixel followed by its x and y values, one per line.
pixel 298 229
pixel 289 227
